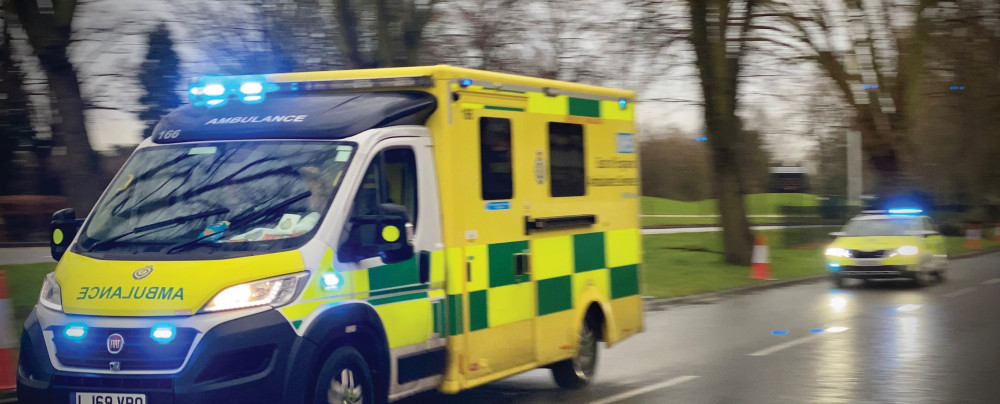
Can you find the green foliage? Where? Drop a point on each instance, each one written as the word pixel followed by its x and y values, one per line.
pixel 160 78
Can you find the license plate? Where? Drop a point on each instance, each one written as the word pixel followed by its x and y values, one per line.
pixel 867 263
pixel 109 398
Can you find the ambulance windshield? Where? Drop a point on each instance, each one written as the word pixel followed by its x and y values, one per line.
pixel 223 196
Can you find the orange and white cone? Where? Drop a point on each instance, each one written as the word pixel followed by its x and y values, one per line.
pixel 760 265
pixel 8 352
pixel 973 237
pixel 996 232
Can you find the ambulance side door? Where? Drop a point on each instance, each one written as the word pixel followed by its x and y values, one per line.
pixel 407 295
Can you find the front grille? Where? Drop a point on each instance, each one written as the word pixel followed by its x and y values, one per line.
pixel 867 254
pixel 139 352
pixel 872 268
pixel 114 383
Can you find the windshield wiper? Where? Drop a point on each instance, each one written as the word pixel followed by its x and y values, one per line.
pixel 245 218
pixel 160 225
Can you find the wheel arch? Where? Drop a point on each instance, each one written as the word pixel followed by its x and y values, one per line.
pixel 358 325
pixel 592 302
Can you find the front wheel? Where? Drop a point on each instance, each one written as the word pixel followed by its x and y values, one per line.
pixel 578 371
pixel 345 379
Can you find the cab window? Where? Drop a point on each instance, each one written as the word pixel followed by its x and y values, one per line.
pixel 391 178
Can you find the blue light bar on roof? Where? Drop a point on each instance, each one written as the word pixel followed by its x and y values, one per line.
pixel 214 91
pixel 905 211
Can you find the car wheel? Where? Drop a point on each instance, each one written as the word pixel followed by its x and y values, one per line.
pixel 345 379
pixel 578 371
pixel 837 280
pixel 922 278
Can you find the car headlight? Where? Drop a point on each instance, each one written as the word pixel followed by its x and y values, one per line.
pixel 838 252
pixel 907 250
pixel 51 295
pixel 266 292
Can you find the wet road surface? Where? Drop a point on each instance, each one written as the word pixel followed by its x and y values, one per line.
pixel 882 342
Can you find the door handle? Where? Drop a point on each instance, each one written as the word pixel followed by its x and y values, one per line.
pixel 424 266
pixel 522 264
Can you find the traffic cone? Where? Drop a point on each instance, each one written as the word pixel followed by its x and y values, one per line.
pixel 760 265
pixel 996 232
pixel 973 237
pixel 8 352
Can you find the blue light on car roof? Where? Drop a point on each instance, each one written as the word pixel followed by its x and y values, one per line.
pixel 905 211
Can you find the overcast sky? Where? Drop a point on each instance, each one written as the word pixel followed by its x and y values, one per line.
pixel 110 45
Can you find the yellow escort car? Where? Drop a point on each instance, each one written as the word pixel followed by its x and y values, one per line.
pixel 351 236
pixel 898 243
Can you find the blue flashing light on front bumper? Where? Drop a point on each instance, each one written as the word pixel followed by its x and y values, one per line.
pixel 834 266
pixel 75 332
pixel 163 333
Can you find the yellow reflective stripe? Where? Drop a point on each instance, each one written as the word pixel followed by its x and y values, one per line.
pixel 611 110
pixel 301 310
pixel 314 289
pixel 552 257
pixel 469 105
pixel 406 323
pixel 508 304
pixel 359 282
pixel 479 260
pixel 456 270
pixel 622 247
pixel 539 103
pixel 437 266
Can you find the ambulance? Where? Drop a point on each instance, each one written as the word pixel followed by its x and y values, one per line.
pixel 348 237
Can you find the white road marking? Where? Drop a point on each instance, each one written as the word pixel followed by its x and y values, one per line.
pixel 908 307
pixel 785 345
pixel 959 292
pixel 643 390
pixel 991 281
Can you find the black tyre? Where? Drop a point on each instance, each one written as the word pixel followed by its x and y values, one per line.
pixel 345 379
pixel 578 371
pixel 922 278
pixel 837 280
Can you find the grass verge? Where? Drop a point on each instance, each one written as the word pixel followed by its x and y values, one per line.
pixel 23 283
pixel 757 204
pixel 691 263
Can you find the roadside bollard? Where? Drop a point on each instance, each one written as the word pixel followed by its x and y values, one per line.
pixel 973 237
pixel 760 265
pixel 8 362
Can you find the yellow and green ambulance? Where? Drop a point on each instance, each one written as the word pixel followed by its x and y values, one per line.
pixel 348 237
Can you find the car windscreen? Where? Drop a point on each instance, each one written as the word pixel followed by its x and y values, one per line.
pixel 239 196
pixel 881 227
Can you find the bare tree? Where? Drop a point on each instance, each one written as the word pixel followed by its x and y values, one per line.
pixel 719 29
pixel 78 165
pixel 382 33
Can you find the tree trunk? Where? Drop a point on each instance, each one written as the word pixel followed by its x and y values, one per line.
pixel 78 167
pixel 719 73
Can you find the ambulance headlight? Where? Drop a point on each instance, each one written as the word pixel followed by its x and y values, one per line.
pixel 266 292
pixel 51 295
pixel 908 250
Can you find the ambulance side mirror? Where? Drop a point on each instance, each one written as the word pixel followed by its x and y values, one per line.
pixel 62 231
pixel 376 236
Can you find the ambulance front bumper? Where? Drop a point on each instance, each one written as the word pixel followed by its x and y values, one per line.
pixel 256 358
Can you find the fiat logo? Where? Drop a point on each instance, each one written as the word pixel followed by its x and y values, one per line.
pixel 115 343
pixel 142 272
